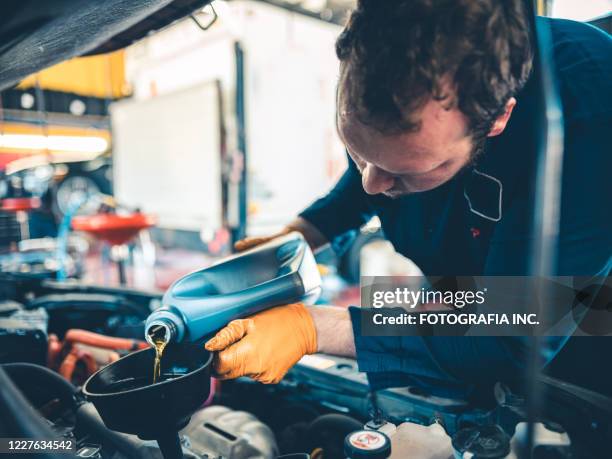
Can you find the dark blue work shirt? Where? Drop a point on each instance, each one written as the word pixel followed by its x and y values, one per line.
pixel 480 222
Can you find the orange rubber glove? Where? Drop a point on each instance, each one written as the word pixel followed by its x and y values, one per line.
pixel 266 345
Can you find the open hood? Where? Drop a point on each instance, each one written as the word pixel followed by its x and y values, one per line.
pixel 35 34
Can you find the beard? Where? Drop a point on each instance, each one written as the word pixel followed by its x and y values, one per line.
pixel 480 144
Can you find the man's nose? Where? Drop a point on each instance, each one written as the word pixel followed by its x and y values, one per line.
pixel 376 181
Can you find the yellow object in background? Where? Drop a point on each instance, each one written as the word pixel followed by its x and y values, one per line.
pixel 100 76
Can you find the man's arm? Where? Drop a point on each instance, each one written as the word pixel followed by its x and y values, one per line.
pixel 265 346
pixel 334 330
pixel 343 209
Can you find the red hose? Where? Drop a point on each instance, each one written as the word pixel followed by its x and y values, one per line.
pixel 106 342
pixel 70 362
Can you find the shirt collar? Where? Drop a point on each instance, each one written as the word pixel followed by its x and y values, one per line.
pixel 484 195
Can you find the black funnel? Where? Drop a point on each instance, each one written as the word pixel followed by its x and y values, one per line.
pixel 128 402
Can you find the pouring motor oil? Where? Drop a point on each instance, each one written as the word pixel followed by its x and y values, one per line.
pixel 278 272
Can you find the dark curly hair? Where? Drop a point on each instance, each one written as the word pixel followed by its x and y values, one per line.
pixel 398 54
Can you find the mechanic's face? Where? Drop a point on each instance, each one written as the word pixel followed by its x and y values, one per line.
pixel 395 165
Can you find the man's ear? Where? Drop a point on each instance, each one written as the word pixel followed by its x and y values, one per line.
pixel 502 120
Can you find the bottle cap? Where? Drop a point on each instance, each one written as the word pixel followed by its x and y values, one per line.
pixel 367 444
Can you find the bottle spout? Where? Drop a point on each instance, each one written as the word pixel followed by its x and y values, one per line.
pixel 160 330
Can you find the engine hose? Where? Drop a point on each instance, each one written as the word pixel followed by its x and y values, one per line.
pixel 28 372
pixel 108 342
pixel 71 361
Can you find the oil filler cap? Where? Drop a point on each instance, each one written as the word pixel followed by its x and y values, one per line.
pixel 367 444
pixel 481 442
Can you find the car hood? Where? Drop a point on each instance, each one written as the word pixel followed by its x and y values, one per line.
pixel 35 34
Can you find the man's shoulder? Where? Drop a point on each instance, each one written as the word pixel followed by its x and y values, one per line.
pixel 582 57
pixel 569 37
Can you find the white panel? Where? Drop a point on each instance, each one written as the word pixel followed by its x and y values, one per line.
pixel 166 157
pixel 291 70
pixel 580 11
pixel 294 154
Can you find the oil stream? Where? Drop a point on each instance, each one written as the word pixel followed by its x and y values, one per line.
pixel 159 343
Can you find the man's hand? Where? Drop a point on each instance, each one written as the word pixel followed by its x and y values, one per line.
pixel 264 346
pixel 250 242
pixel 312 235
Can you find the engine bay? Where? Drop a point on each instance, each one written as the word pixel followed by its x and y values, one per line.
pixel 320 401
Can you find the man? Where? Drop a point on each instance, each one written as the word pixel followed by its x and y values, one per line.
pixel 436 105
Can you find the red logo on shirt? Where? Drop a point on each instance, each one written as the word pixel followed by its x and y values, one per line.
pixel 475 232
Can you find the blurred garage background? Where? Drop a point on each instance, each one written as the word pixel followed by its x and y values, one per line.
pixel 219 125
pixel 171 138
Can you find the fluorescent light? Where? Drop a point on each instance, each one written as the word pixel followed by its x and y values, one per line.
pixel 84 144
